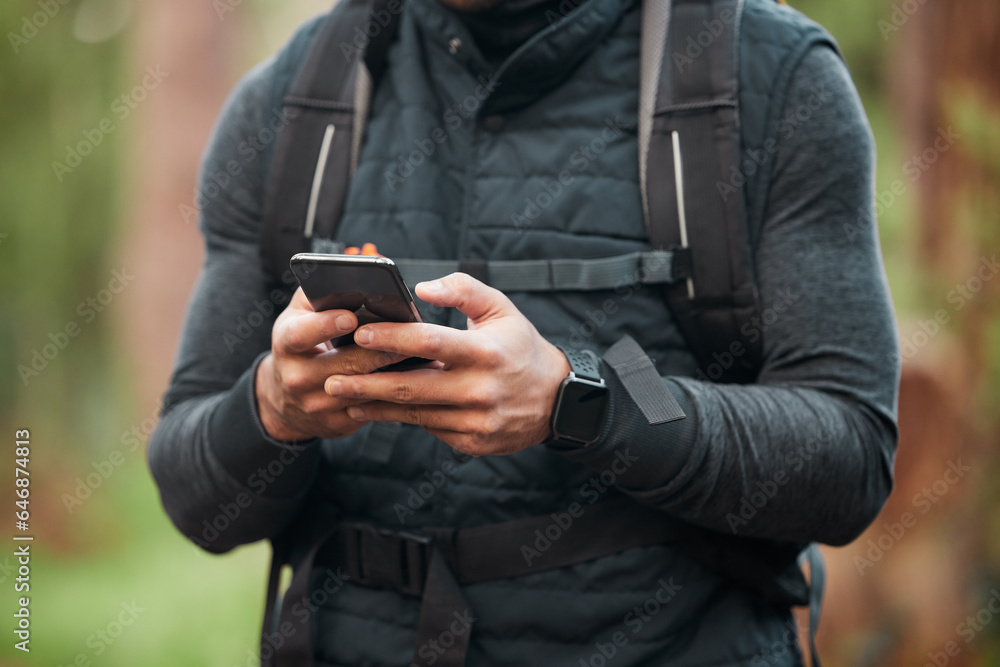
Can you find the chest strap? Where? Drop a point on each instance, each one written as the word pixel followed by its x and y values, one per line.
pixel 653 267
pixel 537 275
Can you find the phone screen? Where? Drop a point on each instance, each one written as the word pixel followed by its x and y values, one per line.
pixel 371 287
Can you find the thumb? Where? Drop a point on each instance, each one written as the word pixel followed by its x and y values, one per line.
pixel 477 301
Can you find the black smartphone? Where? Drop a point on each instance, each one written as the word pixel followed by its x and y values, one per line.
pixel 368 285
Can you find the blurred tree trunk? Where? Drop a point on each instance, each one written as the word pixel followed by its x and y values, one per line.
pixel 946 92
pixel 188 39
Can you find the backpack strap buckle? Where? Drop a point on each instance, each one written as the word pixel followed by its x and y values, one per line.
pixel 682 264
pixel 384 558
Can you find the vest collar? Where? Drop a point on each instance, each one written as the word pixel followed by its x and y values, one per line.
pixel 536 67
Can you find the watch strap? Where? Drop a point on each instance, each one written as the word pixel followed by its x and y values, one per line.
pixel 583 363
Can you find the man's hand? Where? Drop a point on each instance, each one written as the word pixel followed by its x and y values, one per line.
pixel 493 389
pixel 289 383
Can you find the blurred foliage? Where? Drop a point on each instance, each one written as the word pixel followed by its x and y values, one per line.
pixel 58 227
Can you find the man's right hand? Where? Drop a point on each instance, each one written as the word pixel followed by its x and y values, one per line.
pixel 289 383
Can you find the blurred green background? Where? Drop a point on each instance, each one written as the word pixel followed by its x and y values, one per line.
pixel 67 224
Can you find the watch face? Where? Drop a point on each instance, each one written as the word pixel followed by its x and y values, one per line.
pixel 580 412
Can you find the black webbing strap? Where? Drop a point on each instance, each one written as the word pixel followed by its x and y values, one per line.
pixel 697 99
pixel 286 641
pixel 310 172
pixel 433 564
pixel 642 381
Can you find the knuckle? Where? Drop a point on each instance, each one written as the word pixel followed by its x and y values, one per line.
pixel 350 363
pixel 413 415
pixel 291 338
pixel 381 359
pixel 491 424
pixel 313 405
pixel 433 344
pixel 402 393
pixel 490 352
pixel 483 396
pixel 294 380
pixel 354 389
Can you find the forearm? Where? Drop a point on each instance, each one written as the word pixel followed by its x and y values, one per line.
pixel 773 462
pixel 220 482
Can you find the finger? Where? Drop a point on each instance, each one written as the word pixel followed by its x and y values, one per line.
pixel 423 387
pixel 303 329
pixel 353 360
pixel 476 300
pixel 442 417
pixel 429 341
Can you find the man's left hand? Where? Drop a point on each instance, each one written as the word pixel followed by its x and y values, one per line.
pixel 493 387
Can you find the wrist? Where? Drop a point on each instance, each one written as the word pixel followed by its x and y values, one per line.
pixel 581 401
pixel 271 417
pixel 560 369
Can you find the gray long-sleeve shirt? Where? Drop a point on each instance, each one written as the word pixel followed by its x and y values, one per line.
pixel 805 454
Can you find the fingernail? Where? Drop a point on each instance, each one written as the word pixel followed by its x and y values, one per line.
pixel 334 387
pixel 433 285
pixel 364 335
pixel 355 413
pixel 344 323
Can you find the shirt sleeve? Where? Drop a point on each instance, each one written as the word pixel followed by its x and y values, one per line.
pixel 222 480
pixel 806 453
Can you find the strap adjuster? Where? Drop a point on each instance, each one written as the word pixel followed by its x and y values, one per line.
pixel 384 558
pixel 682 264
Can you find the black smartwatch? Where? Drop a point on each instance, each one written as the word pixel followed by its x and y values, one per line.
pixel 582 401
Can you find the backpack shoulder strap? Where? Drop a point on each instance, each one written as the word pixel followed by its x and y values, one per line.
pixel 689 134
pixel 324 111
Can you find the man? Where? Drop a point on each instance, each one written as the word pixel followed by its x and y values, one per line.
pixel 263 417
